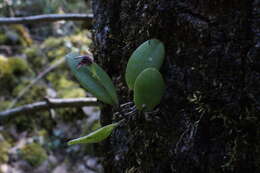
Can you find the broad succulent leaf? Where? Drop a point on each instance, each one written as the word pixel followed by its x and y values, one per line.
pixel 149 54
pixel 148 90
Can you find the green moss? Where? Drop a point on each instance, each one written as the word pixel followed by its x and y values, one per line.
pixel 52 42
pixel 57 53
pixel 35 57
pixel 6 76
pixel 34 154
pixel 4 148
pixel 13 65
pixel 72 93
pixel 37 92
pixel 5 67
pixel 18 65
pixel 82 38
pixel 66 88
pixel 31 52
pixel 64 83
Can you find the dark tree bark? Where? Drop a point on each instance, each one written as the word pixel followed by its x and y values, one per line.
pixel 209 116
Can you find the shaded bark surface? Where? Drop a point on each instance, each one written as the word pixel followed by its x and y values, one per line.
pixel 209 117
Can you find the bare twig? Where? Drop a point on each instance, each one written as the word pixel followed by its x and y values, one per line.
pixel 45 18
pixel 49 103
pixel 33 82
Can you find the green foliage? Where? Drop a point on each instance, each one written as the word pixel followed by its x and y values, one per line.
pixel 148 90
pixel 142 75
pixel 95 136
pixel 94 79
pixel 149 54
pixel 34 154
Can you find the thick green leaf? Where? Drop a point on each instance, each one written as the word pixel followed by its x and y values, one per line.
pixel 94 79
pixel 149 54
pixel 148 90
pixel 95 136
pixel 104 80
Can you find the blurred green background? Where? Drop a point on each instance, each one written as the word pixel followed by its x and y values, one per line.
pixel 37 142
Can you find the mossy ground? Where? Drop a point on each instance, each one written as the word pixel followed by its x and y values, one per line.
pixel 34 153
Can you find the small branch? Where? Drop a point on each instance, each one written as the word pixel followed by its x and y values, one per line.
pixel 33 82
pixel 45 18
pixel 48 104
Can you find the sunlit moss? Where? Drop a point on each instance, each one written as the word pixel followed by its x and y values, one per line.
pixel 57 53
pixel 65 88
pixel 52 42
pixel 12 65
pixel 80 39
pixel 6 77
pixel 18 65
pixel 34 154
pixel 59 81
pixel 64 83
pixel 4 66
pixel 72 93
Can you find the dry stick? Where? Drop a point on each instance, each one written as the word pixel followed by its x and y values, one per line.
pixel 49 103
pixel 33 82
pixel 45 18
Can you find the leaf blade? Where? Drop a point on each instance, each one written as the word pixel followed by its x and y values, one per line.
pixel 149 54
pixel 85 76
pixel 95 136
pixel 149 89
pixel 105 81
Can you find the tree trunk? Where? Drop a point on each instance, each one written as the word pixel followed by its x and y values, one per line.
pixel 209 116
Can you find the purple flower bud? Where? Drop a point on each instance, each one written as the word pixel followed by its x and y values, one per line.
pixel 85 60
